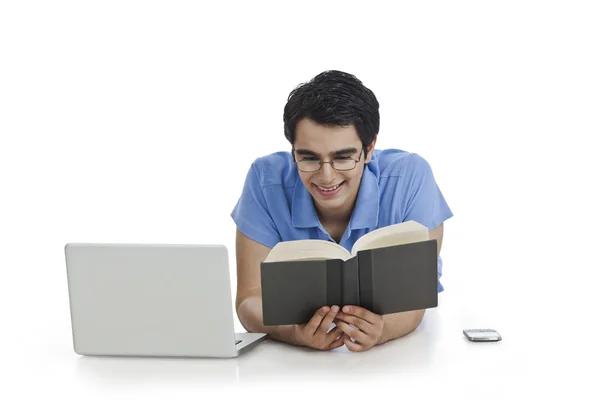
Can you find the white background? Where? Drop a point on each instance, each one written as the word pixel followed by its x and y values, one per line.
pixel 136 121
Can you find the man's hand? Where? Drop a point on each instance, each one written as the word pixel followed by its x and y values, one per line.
pixel 314 333
pixel 367 331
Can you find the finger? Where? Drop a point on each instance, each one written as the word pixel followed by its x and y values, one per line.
pixel 360 323
pixel 315 321
pixel 354 333
pixel 339 342
pixel 327 320
pixel 333 335
pixel 352 346
pixel 362 313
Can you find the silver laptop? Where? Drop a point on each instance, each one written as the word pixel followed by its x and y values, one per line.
pixel 153 300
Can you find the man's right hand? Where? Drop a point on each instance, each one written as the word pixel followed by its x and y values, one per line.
pixel 314 333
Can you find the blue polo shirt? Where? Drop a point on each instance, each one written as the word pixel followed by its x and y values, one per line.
pixel 396 186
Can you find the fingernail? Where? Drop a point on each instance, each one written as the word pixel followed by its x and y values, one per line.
pixel 335 309
pixel 346 309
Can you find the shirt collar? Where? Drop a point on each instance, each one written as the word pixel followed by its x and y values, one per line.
pixel 304 214
pixel 366 209
pixel 364 215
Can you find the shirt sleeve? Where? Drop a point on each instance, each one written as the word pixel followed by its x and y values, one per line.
pixel 423 200
pixel 251 214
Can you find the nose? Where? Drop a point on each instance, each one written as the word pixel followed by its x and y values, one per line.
pixel 327 173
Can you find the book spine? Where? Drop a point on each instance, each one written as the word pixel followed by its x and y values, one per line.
pixel 350 283
pixel 334 282
pixel 365 279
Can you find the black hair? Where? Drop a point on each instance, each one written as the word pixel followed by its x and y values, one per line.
pixel 333 98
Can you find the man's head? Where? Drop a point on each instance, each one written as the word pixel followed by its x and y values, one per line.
pixel 333 117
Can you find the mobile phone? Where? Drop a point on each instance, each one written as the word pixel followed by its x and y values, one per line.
pixel 482 335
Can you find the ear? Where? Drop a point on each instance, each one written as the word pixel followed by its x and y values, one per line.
pixel 370 149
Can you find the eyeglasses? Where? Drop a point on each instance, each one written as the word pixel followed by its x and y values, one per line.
pixel 313 165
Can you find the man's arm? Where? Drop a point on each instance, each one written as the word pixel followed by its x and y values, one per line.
pixel 248 304
pixel 400 324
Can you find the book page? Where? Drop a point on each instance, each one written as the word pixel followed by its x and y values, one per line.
pixel 307 250
pixel 392 235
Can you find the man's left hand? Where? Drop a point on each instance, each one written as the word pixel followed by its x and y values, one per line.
pixel 367 329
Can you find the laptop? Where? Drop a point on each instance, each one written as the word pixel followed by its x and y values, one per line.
pixel 161 300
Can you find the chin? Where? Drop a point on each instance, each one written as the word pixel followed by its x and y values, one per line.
pixel 331 204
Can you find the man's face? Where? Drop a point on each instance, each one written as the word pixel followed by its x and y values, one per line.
pixel 333 191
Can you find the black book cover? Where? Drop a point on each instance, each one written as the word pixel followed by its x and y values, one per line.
pixel 384 280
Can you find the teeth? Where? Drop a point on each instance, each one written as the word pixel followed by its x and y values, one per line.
pixel 330 189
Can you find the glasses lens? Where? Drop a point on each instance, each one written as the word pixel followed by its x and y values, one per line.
pixel 309 165
pixel 343 165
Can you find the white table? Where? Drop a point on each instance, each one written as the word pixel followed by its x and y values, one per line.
pixel 542 351
pixel 435 360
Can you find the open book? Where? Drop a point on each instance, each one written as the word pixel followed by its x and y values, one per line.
pixel 389 270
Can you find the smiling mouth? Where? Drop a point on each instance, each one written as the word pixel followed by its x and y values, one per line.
pixel 329 190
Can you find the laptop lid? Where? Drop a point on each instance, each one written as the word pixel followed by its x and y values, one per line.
pixel 150 300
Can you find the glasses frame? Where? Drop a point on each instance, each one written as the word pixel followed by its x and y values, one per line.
pixel 321 162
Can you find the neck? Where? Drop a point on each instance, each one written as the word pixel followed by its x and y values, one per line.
pixel 336 216
pixel 333 216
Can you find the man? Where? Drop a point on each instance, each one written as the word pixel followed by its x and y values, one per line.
pixel 334 186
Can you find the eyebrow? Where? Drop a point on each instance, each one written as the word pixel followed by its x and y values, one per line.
pixel 306 152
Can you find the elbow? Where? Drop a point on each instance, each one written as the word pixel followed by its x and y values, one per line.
pixel 241 313
pixel 401 324
pixel 245 321
pixel 246 314
pixel 416 320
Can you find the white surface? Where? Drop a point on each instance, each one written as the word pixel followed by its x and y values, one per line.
pixel 436 359
pixel 126 121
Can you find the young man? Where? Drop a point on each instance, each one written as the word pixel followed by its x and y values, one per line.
pixel 334 186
